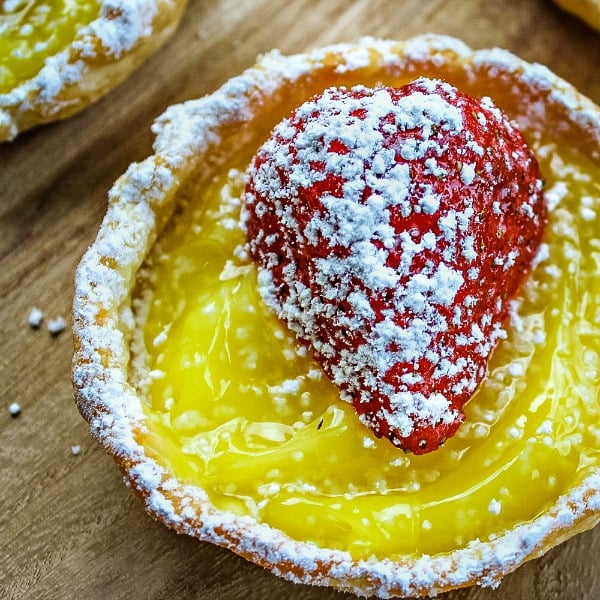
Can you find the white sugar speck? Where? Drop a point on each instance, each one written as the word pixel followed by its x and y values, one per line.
pixel 161 338
pixel 542 254
pixel 514 433
pixel 516 369
pixel 587 214
pixel 467 174
pixel 57 325
pixel 495 507
pixel 35 318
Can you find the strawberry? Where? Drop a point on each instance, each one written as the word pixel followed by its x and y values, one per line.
pixel 391 227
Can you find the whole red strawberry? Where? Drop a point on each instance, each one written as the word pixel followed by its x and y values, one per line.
pixel 391 228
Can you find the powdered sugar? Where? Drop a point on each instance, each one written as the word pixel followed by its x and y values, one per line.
pixel 57 325
pixel 14 409
pixel 121 25
pixel 35 318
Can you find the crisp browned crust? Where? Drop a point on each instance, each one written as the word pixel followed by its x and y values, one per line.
pixel 91 65
pixel 190 138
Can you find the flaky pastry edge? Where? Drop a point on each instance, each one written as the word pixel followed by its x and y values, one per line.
pixel 101 56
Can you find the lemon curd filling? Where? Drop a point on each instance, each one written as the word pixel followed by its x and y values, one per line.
pixel 33 30
pixel 237 407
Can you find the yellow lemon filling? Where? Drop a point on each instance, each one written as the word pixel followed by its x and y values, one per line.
pixel 33 30
pixel 237 407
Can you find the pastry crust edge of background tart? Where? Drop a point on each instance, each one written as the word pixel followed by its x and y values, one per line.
pixel 140 203
pixel 73 79
pixel 586 10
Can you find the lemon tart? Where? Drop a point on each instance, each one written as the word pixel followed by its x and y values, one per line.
pixel 229 429
pixel 58 57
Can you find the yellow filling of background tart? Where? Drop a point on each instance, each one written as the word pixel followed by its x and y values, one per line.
pixel 33 30
pixel 236 407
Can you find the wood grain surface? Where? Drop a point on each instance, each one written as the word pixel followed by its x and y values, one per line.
pixel 69 528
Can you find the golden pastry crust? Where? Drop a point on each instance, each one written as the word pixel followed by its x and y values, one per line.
pixel 100 56
pixel 587 10
pixel 190 139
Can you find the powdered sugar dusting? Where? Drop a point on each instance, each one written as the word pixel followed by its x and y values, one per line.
pixel 121 24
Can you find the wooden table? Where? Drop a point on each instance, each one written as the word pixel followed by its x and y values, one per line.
pixel 68 526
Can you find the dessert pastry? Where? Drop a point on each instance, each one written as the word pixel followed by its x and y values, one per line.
pixel 228 428
pixel 587 10
pixel 56 59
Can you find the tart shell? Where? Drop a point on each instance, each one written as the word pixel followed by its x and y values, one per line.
pixel 102 55
pixel 191 139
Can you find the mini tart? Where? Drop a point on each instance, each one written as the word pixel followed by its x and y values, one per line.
pixel 285 476
pixel 56 60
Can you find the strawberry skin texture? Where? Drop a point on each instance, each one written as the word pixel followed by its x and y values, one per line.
pixel 391 228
